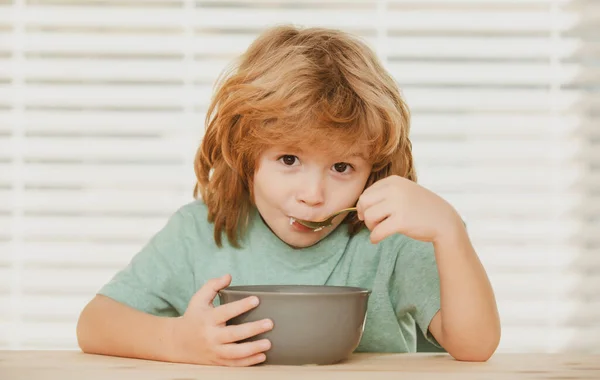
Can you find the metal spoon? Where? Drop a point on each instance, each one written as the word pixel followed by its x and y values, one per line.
pixel 318 225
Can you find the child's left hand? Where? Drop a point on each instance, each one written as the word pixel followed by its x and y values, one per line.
pixel 398 205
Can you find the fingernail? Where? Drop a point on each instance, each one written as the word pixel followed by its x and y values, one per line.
pixel 254 301
pixel 266 345
pixel 267 324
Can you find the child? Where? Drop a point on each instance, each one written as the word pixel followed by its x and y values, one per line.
pixel 308 122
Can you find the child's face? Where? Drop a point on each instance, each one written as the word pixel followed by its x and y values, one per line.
pixel 305 184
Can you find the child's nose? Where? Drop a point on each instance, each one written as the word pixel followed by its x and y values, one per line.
pixel 311 192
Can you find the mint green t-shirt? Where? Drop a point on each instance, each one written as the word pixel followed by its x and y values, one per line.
pixel 400 272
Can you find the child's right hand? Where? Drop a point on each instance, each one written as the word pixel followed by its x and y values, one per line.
pixel 201 335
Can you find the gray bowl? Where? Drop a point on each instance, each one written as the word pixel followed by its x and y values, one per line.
pixel 312 324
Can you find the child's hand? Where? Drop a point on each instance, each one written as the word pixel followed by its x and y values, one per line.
pixel 202 337
pixel 398 205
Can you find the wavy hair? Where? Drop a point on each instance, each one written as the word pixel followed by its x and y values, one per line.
pixel 315 86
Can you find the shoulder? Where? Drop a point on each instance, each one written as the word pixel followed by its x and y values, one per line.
pixel 394 248
pixel 396 244
pixel 400 252
pixel 411 253
pixel 196 209
pixel 191 221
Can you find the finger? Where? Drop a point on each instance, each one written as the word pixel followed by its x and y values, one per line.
pixel 373 195
pixel 369 199
pixel 234 351
pixel 376 214
pixel 235 333
pixel 245 362
pixel 209 290
pixel 384 229
pixel 225 312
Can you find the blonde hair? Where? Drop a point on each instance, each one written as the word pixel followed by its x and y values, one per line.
pixel 313 86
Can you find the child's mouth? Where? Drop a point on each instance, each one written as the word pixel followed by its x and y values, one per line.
pixel 299 227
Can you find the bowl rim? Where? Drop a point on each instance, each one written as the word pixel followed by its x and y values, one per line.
pixel 244 290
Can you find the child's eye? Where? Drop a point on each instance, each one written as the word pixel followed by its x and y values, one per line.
pixel 288 159
pixel 342 167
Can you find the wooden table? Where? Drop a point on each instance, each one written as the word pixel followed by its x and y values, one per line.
pixel 66 365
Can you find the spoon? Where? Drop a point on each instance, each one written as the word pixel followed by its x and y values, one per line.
pixel 320 224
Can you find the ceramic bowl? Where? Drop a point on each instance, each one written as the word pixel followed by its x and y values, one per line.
pixel 312 324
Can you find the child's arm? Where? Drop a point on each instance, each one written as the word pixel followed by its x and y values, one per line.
pixel 200 336
pixel 467 324
pixel 109 327
pixel 136 314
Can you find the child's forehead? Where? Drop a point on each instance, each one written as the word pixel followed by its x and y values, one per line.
pixel 311 137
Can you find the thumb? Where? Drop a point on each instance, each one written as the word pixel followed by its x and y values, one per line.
pixel 207 293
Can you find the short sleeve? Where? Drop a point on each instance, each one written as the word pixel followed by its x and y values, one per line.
pixel 159 276
pixel 416 284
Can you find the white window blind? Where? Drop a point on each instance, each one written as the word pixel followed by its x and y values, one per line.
pixel 102 105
